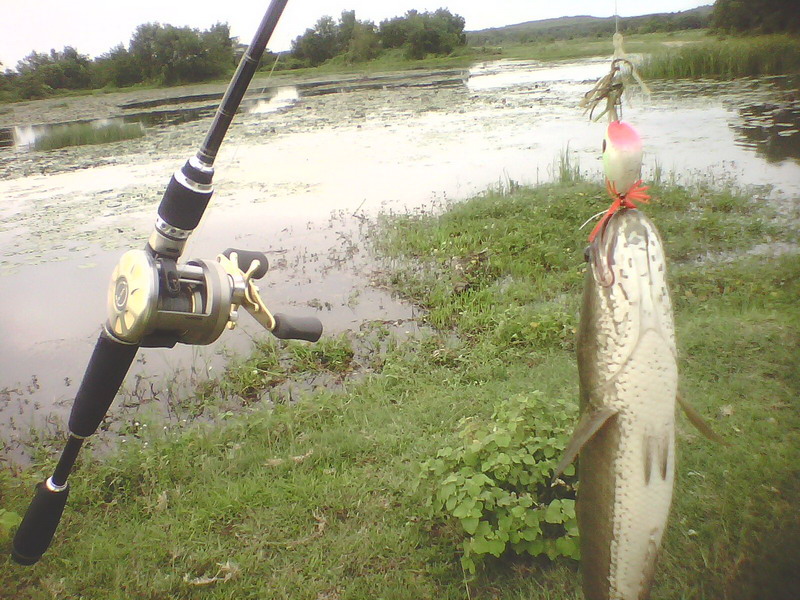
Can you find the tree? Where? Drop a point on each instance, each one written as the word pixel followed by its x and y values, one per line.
pixel 116 67
pixel 756 16
pixel 393 33
pixel 439 32
pixel 319 44
pixel 41 73
pixel 170 55
pixel 356 40
pixel 364 43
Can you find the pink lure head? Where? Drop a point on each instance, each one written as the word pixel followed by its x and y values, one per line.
pixel 622 155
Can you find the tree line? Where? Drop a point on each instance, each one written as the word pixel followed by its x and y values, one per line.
pixel 168 55
pixel 756 16
pixel 157 54
pixel 418 34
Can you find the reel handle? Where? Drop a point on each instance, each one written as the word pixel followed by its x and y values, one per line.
pixel 297 328
pixel 245 258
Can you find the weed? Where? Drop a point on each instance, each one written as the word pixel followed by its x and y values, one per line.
pixel 727 59
pixel 79 134
pixel 496 482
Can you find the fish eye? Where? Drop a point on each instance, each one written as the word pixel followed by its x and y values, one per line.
pixel 604 145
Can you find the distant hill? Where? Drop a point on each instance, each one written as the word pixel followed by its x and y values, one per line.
pixel 585 26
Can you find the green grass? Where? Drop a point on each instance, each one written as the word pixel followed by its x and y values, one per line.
pixel 81 134
pixel 728 58
pixel 315 498
pixel 639 43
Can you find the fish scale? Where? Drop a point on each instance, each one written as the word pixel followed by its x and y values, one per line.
pixel 641 384
pixel 644 392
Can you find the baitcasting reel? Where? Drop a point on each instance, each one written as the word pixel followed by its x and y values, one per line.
pixel 154 302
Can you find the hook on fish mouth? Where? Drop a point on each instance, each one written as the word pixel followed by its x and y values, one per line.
pixel 600 253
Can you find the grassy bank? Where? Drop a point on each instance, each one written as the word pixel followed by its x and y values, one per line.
pixel 582 47
pixel 728 58
pixel 316 498
pixel 83 134
pixel 639 43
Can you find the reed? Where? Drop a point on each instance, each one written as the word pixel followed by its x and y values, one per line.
pixel 81 134
pixel 727 58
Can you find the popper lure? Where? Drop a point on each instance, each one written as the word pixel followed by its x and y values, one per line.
pixel 622 163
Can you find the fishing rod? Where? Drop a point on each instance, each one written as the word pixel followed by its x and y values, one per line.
pixel 155 302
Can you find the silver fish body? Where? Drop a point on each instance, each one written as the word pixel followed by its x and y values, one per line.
pixel 627 364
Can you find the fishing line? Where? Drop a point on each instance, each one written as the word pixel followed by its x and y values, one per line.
pixel 261 93
pixel 592 218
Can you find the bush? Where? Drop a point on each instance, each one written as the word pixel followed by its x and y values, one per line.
pixel 496 482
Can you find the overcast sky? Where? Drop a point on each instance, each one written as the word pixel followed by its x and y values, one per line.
pixel 94 26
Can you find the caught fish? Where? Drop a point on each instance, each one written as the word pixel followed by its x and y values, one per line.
pixel 627 363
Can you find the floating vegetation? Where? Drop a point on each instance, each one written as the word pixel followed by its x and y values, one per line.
pixel 728 58
pixel 81 134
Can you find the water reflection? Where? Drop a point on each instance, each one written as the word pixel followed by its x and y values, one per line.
pixel 772 130
pixel 175 116
pixel 283 98
pixel 25 137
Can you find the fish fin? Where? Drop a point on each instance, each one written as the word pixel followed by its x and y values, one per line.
pixel 656 452
pixel 590 423
pixel 700 423
pixel 663 458
pixel 648 458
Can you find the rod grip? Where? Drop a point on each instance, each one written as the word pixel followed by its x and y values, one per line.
pixel 107 368
pixel 39 524
pixel 297 328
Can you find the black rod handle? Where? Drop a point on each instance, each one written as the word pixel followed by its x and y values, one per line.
pixel 40 522
pixel 107 368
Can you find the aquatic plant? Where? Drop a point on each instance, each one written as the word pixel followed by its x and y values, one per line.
pixel 81 134
pixel 727 58
pixel 567 168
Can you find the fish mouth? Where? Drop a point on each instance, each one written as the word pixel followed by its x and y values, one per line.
pixel 626 234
